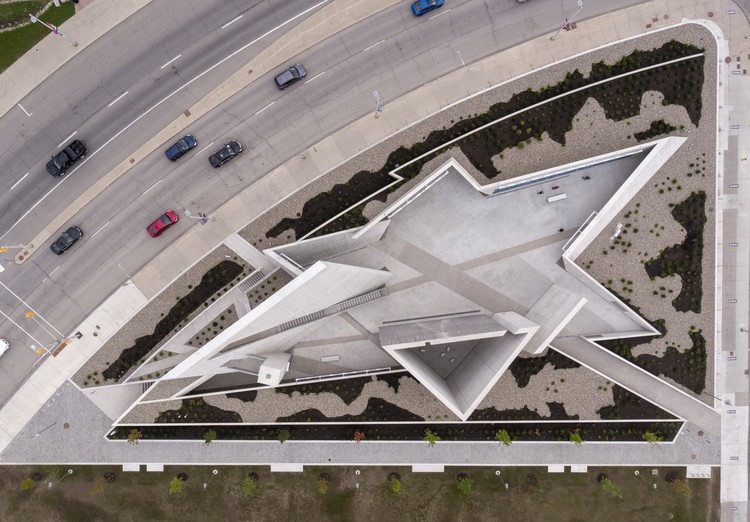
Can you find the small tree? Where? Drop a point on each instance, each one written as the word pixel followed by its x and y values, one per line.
pixel 503 437
pixel 465 486
pixel 27 484
pixel 575 437
pixel 134 436
pixel 175 486
pixel 284 436
pixel 610 487
pixel 652 438
pixel 394 486
pixel 430 438
pixel 323 483
pixel 250 487
pixel 209 437
pixel 681 487
pixel 358 436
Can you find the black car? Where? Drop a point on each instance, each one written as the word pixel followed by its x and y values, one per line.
pixel 63 160
pixel 291 75
pixel 181 148
pixel 67 240
pixel 224 154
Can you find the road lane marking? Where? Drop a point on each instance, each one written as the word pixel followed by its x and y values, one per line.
pixel 440 14
pixel 21 328
pixel 318 76
pixel 170 61
pixel 264 108
pixel 117 99
pixel 24 110
pixel 55 270
pixel 374 45
pixel 157 104
pixel 230 22
pixel 19 181
pixel 35 312
pixel 65 141
pixel 152 186
pixel 100 229
pixel 204 148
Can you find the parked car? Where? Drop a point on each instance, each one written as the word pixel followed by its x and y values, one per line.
pixel 166 220
pixel 4 346
pixel 291 75
pixel 421 7
pixel 64 159
pixel 181 147
pixel 224 154
pixel 66 240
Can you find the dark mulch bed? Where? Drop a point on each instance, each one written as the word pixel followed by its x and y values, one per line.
pixel 212 281
pixel 685 259
pixel 244 396
pixel 524 368
pixel 630 406
pixel 377 410
pixel 392 379
pixel 347 389
pixel 196 410
pixel 680 83
pixel 657 128
pixel 535 431
pixel 557 412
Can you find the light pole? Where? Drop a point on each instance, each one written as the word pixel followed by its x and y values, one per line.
pixel 54 29
pixel 50 484
pixel 5 248
pixel 213 474
pixel 499 474
pixel 378 110
pixel 199 215
pixel 567 23
pixel 638 474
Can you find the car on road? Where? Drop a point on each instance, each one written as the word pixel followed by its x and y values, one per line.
pixel 66 240
pixel 224 154
pixel 64 159
pixel 4 346
pixel 181 147
pixel 166 220
pixel 421 7
pixel 291 75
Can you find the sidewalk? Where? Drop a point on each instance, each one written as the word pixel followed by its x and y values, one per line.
pixel 354 139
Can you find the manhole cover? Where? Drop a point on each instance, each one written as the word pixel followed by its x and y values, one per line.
pixel 693 456
pixel 66 425
pixel 728 59
pixel 700 433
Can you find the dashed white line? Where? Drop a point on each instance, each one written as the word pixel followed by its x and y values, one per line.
pixel 374 45
pixel 170 61
pixel 65 141
pixel 117 99
pixel 440 14
pixel 24 110
pixel 152 186
pixel 204 148
pixel 230 22
pixel 317 76
pixel 19 181
pixel 100 229
pixel 55 270
pixel 264 108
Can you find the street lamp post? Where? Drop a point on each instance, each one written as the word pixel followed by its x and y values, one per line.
pixel 5 248
pixel 199 215
pixel 213 474
pixel 569 21
pixel 499 474
pixel 378 110
pixel 50 484
pixel 54 29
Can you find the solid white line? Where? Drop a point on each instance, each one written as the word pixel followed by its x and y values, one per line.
pixel 31 309
pixel 170 61
pixel 24 331
pixel 318 76
pixel 65 141
pixel 374 45
pixel 100 229
pixel 24 110
pixel 157 104
pixel 230 22
pixel 117 99
pixel 55 270
pixel 264 108
pixel 152 186
pixel 440 14
pixel 204 148
pixel 19 181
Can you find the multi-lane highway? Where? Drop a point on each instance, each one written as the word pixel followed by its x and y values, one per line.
pixel 123 89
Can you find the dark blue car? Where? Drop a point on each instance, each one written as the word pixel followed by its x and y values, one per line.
pixel 421 7
pixel 181 148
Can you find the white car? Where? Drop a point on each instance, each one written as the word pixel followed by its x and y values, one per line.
pixel 4 346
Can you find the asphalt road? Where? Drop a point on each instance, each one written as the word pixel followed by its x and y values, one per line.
pixel 393 52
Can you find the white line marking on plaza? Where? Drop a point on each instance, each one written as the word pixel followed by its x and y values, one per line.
pixel 152 186
pixel 157 104
pixel 230 22
pixel 35 312
pixel 24 110
pixel 440 14
pixel 204 148
pixel 65 141
pixel 374 45
pixel 264 108
pixel 170 61
pixel 55 270
pixel 317 76
pixel 19 181
pixel 20 328
pixel 100 229
pixel 461 58
pixel 117 99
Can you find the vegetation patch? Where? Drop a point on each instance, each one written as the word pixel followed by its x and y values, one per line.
pixel 347 389
pixel 680 83
pixel 686 258
pixel 657 128
pixel 377 410
pixel 524 368
pixel 197 410
pixel 557 412
pixel 629 406
pixel 687 368
pixel 212 281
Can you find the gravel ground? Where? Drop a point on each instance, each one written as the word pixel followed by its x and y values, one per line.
pixel 582 392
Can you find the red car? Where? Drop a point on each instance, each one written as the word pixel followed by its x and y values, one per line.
pixel 168 219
